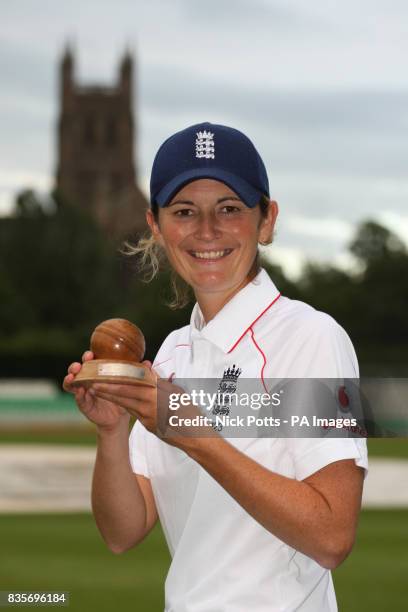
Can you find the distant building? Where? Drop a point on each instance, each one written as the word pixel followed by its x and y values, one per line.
pixel 96 168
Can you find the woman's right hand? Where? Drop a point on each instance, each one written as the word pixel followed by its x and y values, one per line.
pixel 105 414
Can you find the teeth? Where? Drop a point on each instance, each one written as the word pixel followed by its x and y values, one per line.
pixel 210 254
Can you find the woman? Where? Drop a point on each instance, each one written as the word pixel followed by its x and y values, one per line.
pixel 251 523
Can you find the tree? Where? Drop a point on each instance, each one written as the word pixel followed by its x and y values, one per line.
pixel 58 279
pixel 373 243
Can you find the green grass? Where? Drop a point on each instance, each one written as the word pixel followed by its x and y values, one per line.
pixel 374 577
pixel 65 552
pixel 49 435
pixel 388 447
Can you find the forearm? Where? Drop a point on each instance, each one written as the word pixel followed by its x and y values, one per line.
pixel 292 510
pixel 117 501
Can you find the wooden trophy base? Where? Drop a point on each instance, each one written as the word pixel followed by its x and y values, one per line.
pixel 113 371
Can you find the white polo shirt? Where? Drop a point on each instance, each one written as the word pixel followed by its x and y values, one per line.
pixel 222 559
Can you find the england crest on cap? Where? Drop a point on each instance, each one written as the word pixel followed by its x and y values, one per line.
pixel 205 145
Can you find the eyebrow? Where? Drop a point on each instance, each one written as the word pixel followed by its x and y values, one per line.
pixel 234 198
pixel 219 201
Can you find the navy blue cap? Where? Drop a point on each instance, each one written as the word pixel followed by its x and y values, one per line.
pixel 207 150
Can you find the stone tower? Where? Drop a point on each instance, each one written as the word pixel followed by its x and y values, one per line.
pixel 96 168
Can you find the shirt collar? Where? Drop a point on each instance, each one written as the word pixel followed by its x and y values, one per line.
pixel 238 315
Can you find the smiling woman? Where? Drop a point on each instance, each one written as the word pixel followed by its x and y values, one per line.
pixel 206 214
pixel 252 523
pixel 210 238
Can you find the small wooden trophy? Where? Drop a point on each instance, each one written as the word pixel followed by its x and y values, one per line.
pixel 118 347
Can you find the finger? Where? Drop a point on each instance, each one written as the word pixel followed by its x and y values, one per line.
pixel 74 368
pixel 67 382
pixel 87 356
pixel 85 400
pixel 79 393
pixel 147 363
pixel 167 385
pixel 142 393
pixel 124 402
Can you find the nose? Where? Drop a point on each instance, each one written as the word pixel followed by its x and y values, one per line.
pixel 207 227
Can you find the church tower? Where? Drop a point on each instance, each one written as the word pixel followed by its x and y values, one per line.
pixel 96 168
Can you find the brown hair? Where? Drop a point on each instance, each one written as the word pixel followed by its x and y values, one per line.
pixel 151 258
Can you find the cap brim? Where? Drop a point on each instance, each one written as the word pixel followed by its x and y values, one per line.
pixel 248 194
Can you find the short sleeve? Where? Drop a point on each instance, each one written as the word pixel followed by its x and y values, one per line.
pixel 138 450
pixel 310 455
pixel 325 353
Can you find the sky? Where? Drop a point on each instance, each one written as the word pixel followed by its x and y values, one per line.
pixel 321 88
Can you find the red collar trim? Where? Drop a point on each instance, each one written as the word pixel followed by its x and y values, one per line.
pixel 253 322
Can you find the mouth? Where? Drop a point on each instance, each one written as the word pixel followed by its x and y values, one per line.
pixel 210 255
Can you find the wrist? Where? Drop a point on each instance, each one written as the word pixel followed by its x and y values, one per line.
pixel 120 430
pixel 197 447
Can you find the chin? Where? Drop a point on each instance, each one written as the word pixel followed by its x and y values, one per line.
pixel 212 283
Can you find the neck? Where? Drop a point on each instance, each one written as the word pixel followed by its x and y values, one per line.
pixel 211 303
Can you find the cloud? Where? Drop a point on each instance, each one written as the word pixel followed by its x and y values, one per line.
pixel 323 93
pixel 24 71
pixel 350 198
pixel 396 223
pixel 331 229
pixel 291 259
pixel 277 17
pixel 11 183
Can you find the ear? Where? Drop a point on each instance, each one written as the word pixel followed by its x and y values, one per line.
pixel 154 226
pixel 268 223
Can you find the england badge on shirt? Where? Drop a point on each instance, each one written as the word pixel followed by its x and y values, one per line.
pixel 226 387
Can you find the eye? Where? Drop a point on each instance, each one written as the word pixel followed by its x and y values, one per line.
pixel 184 212
pixel 229 209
